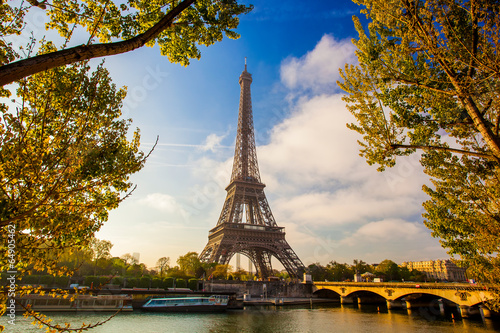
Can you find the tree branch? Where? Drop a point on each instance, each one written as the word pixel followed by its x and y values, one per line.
pixel 22 68
pixel 446 149
pixel 416 83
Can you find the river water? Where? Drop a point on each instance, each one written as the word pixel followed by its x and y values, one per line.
pixel 335 318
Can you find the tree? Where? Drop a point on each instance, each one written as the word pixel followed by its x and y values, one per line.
pixel 99 250
pixel 240 274
pixel 339 272
pixel 359 266
pixel 163 264
pixel 136 270
pixel 428 80
pixel 389 269
pixel 65 162
pixel 189 263
pixel 177 27
pixel 129 259
pixel 318 272
pixel 221 271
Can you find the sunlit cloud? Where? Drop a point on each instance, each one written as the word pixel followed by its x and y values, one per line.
pixel 162 202
pixel 385 231
pixel 212 142
pixel 318 70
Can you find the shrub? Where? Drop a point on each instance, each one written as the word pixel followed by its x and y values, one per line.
pixel 47 280
pixel 168 282
pixel 132 282
pixel 156 283
pixel 144 282
pixel 193 284
pixel 61 281
pixel 180 283
pixel 118 281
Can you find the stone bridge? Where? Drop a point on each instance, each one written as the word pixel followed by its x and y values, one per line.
pixel 465 297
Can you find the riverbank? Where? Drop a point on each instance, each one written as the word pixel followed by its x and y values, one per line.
pixel 284 301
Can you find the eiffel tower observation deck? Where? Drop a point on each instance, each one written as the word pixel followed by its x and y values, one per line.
pixel 246 224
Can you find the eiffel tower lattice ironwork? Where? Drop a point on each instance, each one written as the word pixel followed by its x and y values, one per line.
pixel 246 224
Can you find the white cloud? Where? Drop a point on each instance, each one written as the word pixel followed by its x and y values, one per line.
pixel 314 149
pixel 349 206
pixel 385 231
pixel 162 202
pixel 212 142
pixel 318 69
pixel 333 204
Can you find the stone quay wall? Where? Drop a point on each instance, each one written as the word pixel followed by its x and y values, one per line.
pixel 261 288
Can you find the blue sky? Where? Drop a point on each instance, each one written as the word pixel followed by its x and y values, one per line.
pixel 332 204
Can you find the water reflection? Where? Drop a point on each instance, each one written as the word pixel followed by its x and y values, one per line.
pixel 339 318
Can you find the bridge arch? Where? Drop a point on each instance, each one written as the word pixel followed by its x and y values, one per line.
pixel 364 297
pixel 326 293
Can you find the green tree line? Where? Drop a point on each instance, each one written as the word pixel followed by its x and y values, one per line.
pixel 95 267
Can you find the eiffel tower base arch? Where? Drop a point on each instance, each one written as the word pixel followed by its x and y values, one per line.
pixel 258 245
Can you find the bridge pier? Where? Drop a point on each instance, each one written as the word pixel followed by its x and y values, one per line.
pixel 415 303
pixel 365 299
pixel 393 304
pixel 441 306
pixel 346 300
pixel 485 312
pixel 464 310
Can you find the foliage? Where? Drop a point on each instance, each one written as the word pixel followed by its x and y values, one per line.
pixel 189 263
pixel 240 274
pixel 339 272
pixel 163 264
pixel 156 282
pixel 92 281
pixel 180 283
pixel 117 281
pixel 65 162
pixel 360 266
pixel 144 282
pixel 168 282
pixel 100 249
pixel 177 27
pixel 129 260
pixel 136 270
pixel 193 284
pixel 389 270
pixel 428 78
pixel 221 271
pixel 319 272
pixel 46 280
pixel 131 282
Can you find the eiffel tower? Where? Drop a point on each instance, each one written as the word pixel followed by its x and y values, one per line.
pixel 246 224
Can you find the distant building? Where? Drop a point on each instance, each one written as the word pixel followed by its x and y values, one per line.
pixel 438 269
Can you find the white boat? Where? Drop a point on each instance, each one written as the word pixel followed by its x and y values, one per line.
pixel 212 303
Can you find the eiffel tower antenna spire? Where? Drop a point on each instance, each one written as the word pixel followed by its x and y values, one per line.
pixel 246 224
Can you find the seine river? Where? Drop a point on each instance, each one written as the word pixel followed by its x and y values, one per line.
pixel 334 318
